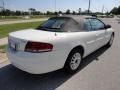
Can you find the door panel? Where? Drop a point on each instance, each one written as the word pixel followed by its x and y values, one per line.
pixel 98 28
pixel 100 38
pixel 91 42
pixel 90 37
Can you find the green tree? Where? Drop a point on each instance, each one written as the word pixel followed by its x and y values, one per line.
pixel 18 13
pixel 114 10
pixel 74 13
pixel 68 11
pixel 32 10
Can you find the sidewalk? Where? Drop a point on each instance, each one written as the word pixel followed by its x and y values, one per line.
pixel 4 62
pixel 3 41
pixel 22 21
pixel 3 58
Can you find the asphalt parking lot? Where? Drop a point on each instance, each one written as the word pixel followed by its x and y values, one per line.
pixel 98 71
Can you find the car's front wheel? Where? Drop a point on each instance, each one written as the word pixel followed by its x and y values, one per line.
pixel 73 61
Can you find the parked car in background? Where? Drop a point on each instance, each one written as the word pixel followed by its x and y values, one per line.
pixel 60 42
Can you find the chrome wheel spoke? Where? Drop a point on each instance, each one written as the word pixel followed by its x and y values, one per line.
pixel 75 61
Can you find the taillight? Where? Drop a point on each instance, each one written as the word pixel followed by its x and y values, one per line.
pixel 37 47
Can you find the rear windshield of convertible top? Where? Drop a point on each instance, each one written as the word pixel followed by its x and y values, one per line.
pixel 54 24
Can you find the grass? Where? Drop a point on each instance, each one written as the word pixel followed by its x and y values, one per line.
pixel 6 29
pixel 2 48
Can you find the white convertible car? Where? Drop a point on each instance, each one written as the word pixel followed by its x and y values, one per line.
pixel 60 42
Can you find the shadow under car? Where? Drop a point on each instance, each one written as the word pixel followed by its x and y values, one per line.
pixel 12 78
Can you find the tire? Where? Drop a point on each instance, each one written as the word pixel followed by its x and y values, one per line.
pixel 73 61
pixel 109 44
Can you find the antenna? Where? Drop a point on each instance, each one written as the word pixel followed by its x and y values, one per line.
pixel 89 6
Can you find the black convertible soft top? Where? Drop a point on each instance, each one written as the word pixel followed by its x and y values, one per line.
pixel 77 18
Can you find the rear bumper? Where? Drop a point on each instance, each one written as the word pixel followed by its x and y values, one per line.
pixel 37 63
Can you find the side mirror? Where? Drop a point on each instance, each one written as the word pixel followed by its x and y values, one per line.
pixel 107 26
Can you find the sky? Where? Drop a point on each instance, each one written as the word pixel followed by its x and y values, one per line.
pixel 45 5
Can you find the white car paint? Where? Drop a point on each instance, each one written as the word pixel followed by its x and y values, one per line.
pixel 63 43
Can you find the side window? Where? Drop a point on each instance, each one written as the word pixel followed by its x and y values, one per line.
pixel 97 24
pixel 87 25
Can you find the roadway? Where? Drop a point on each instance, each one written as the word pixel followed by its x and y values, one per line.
pixel 98 71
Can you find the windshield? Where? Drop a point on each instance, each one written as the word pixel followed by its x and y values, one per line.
pixel 52 25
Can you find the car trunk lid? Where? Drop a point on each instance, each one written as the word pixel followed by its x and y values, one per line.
pixel 18 40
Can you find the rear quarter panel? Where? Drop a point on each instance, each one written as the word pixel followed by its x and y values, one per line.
pixel 68 41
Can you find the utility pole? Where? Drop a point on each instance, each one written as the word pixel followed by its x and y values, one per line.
pixel 3 5
pixel 55 5
pixel 89 6
pixel 55 9
pixel 0 8
pixel 102 9
pixel 79 11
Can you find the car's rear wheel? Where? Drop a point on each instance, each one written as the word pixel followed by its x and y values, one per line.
pixel 110 41
pixel 73 61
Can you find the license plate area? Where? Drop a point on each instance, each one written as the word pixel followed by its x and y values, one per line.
pixel 13 46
